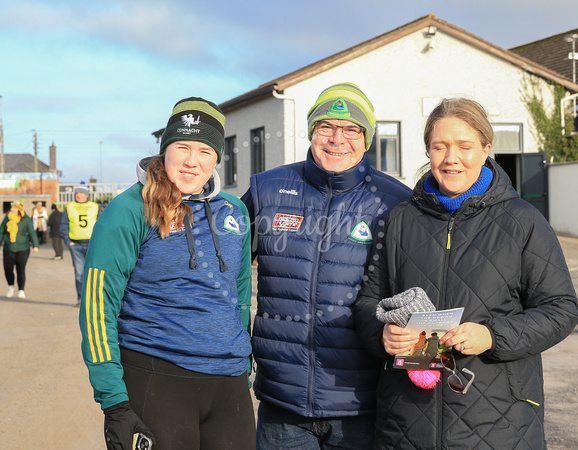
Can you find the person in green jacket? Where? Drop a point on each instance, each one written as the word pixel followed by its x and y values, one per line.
pixel 17 233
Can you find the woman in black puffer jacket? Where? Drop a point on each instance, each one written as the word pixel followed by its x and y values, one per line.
pixel 469 241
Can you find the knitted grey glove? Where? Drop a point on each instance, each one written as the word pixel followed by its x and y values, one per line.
pixel 398 309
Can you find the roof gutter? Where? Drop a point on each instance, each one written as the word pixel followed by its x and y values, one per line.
pixel 249 97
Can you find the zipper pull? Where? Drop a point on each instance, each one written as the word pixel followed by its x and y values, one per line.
pixel 450 227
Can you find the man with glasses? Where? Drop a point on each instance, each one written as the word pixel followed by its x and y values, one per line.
pixel 314 223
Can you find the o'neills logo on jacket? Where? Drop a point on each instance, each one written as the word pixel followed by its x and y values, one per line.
pixel 287 222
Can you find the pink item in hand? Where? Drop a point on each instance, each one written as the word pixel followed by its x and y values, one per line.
pixel 426 379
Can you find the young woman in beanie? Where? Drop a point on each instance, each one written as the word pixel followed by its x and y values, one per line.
pixel 17 233
pixel 165 310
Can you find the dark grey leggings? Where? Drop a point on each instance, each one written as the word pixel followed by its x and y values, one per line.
pixel 186 409
pixel 18 259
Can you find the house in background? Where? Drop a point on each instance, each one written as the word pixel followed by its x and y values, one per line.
pixel 29 180
pixel 405 73
pixel 560 54
pixel 554 52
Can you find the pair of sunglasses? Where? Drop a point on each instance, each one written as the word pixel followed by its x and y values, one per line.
pixel 449 363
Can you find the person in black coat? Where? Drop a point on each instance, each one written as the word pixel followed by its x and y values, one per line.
pixel 54 230
pixel 468 240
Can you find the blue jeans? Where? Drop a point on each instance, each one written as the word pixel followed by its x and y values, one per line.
pixel 278 428
pixel 78 255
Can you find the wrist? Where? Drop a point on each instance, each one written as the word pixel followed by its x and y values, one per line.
pixel 118 407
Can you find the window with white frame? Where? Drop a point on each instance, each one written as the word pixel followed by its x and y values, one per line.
pixel 384 152
pixel 507 138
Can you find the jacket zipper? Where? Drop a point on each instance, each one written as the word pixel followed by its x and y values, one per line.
pixel 313 307
pixel 446 262
pixel 444 306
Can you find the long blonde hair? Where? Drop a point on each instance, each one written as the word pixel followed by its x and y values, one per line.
pixel 163 203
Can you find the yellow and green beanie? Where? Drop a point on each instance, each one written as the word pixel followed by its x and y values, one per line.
pixel 344 101
pixel 19 205
pixel 196 119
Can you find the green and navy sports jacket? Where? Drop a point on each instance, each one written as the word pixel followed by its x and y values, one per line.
pixel 141 293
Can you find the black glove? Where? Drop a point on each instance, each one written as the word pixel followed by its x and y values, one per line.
pixel 120 424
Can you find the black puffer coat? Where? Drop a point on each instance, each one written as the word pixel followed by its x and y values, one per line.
pixel 497 257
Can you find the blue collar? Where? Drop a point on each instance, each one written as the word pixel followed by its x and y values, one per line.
pixel 338 181
pixel 451 205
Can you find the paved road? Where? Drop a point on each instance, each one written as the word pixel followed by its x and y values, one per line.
pixel 46 399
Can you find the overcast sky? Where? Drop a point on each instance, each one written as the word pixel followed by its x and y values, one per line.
pixel 98 77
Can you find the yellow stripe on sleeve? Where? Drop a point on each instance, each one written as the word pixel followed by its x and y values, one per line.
pixel 102 322
pixel 88 322
pixel 94 303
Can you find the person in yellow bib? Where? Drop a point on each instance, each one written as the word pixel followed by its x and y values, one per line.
pixel 76 229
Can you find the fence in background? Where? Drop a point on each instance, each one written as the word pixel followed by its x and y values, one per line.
pixel 98 192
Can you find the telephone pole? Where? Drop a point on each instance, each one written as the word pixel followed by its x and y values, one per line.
pixel 35 151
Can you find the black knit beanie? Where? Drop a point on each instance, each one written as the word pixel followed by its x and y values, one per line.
pixel 196 119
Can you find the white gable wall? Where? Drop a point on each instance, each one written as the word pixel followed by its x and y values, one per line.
pixel 397 78
pixel 268 114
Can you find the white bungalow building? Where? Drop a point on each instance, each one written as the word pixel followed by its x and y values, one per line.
pixel 405 73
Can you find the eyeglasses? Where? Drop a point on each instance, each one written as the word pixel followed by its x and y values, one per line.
pixel 449 363
pixel 349 131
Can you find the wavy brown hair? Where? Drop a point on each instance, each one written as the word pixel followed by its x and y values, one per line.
pixel 163 203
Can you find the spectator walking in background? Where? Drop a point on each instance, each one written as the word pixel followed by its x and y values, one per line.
pixel 16 234
pixel 40 221
pixel 76 229
pixel 314 222
pixel 54 231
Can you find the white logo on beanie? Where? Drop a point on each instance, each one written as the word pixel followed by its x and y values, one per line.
pixel 190 120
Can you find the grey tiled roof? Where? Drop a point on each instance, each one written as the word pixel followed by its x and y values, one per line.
pixel 551 52
pixel 22 162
